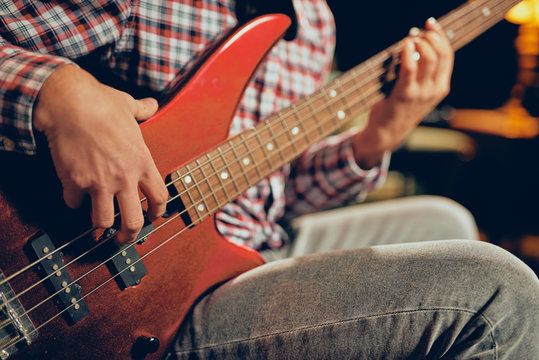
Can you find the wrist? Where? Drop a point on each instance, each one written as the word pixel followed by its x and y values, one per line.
pixel 369 147
pixel 51 92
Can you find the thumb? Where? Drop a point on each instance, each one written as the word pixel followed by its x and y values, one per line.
pixel 145 108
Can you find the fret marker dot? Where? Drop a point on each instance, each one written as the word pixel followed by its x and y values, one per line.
pixel 295 131
pixel 333 93
pixel 486 11
pixel 187 179
pixel 341 114
pixel 269 146
pixel 224 175
pixel 246 161
pixel 201 207
pixel 450 34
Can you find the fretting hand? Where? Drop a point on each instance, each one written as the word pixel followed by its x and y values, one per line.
pixel 421 85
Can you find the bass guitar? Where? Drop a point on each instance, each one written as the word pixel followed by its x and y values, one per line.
pixel 65 296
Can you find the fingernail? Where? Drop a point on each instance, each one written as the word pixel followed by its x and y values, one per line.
pixel 150 102
pixel 432 21
pixel 410 44
pixel 414 32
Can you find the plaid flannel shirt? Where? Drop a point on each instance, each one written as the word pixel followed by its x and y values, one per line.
pixel 36 37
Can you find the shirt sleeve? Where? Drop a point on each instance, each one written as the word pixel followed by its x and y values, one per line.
pixel 22 73
pixel 327 175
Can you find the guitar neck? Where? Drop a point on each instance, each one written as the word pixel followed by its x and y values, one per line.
pixel 221 174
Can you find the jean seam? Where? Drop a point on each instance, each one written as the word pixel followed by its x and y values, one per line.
pixel 238 341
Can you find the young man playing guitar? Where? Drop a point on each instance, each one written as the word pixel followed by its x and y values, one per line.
pixel 415 299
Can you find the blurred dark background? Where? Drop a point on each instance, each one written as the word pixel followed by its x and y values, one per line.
pixel 498 180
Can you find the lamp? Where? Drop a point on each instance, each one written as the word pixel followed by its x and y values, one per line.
pixel 526 14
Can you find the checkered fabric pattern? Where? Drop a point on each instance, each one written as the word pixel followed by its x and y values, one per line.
pixel 148 43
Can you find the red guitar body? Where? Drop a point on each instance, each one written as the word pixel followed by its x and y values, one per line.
pixel 195 120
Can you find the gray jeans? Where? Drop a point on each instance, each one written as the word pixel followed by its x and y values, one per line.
pixel 406 298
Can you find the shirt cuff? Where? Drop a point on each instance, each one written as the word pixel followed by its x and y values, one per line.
pixel 374 177
pixel 353 169
pixel 22 73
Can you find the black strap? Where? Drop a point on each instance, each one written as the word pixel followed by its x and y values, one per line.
pixel 249 9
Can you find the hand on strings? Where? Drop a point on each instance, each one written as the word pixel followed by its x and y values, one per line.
pixel 423 81
pixel 97 148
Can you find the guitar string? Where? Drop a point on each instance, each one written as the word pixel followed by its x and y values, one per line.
pixel 208 214
pixel 95 228
pixel 119 251
pixel 447 20
pixel 90 250
pixel 156 229
pixel 110 279
pixel 191 172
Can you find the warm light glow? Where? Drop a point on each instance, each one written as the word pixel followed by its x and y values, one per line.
pixel 526 12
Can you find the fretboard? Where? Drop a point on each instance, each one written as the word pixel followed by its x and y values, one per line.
pixel 221 174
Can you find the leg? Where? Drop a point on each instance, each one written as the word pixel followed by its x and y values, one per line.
pixel 451 299
pixel 411 219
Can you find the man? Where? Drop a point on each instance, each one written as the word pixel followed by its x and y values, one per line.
pixel 415 300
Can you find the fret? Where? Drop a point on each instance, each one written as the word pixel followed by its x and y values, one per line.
pixel 206 181
pixel 343 112
pixel 192 199
pixel 313 113
pixel 262 148
pixel 334 95
pixel 319 105
pixel 250 156
pixel 375 70
pixel 243 162
pixel 374 76
pixel 179 183
pixel 234 162
pixel 301 124
pixel 359 84
pixel 316 115
pixel 278 147
pixel 221 176
pixel 279 133
pixel 289 132
pixel 202 205
pixel 466 32
pixel 264 136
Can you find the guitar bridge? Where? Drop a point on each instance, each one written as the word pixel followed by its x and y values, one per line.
pixel 16 329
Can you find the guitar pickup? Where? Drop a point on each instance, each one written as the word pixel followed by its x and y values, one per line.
pixel 68 293
pixel 126 265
